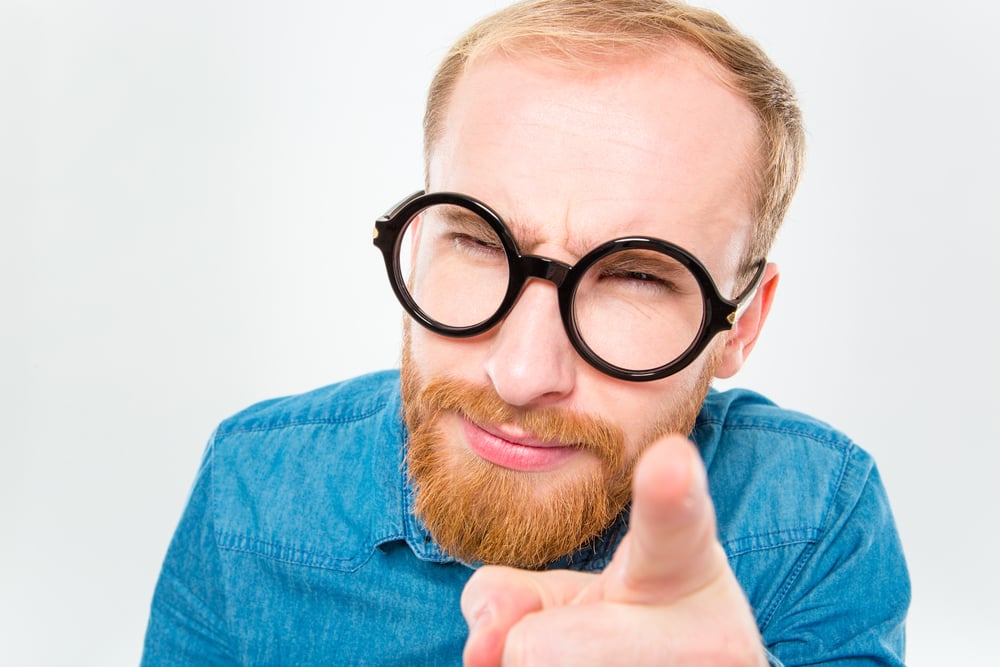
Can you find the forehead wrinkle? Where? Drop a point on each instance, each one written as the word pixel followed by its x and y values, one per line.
pixel 527 236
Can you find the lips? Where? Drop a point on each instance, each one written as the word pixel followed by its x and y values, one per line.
pixel 515 451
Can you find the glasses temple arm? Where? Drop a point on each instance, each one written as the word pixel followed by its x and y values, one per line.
pixel 744 300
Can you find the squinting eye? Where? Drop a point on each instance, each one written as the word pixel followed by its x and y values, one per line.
pixel 475 244
pixel 466 238
pixel 638 277
pixel 642 277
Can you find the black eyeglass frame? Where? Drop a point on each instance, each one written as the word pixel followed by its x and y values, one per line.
pixel 719 313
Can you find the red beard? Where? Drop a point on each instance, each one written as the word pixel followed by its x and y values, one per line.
pixel 479 512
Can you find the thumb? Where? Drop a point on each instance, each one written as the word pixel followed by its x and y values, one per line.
pixel 671 549
pixel 496 598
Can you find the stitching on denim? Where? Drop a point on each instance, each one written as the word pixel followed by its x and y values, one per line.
pixel 777 545
pixel 789 581
pixel 305 422
pixel 811 536
pixel 769 533
pixel 404 492
pixel 286 554
pixel 809 551
pixel 405 504
pixel 836 491
pixel 226 540
pixel 837 444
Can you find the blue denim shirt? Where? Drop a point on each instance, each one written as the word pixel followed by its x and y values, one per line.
pixel 299 545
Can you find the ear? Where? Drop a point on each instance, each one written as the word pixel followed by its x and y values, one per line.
pixel 743 336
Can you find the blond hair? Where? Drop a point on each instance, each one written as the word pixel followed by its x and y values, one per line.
pixel 584 31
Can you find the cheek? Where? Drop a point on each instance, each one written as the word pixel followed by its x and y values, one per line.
pixel 435 356
pixel 666 406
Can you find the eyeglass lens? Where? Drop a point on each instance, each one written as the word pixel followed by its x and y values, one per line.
pixel 637 309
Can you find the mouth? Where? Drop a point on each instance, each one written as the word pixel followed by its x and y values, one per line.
pixel 509 448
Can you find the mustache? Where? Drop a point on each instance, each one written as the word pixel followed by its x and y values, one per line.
pixel 482 405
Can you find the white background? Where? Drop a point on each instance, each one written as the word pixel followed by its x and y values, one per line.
pixel 186 198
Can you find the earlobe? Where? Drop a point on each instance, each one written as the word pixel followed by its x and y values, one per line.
pixel 743 336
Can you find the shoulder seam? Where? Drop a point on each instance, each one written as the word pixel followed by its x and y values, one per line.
pixel 838 442
pixel 236 429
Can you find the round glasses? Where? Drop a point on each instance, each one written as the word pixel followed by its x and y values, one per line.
pixel 635 308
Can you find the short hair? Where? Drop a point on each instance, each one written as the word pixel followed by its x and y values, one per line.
pixel 584 31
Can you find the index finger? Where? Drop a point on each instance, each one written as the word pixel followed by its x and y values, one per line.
pixel 671 549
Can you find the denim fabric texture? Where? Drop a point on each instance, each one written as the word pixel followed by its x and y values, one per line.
pixel 299 546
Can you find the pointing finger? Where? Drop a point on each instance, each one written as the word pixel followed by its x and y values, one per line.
pixel 671 549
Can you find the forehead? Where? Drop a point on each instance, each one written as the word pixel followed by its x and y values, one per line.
pixel 655 144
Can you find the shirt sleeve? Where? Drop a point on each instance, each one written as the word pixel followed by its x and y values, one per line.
pixel 187 620
pixel 845 603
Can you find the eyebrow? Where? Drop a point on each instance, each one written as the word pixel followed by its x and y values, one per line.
pixel 648 263
pixel 527 238
pixel 461 219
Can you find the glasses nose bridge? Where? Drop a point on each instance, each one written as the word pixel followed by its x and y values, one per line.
pixel 543 268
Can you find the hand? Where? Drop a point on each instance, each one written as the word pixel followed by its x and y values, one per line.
pixel 668 597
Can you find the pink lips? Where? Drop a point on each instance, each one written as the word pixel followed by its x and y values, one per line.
pixel 517 452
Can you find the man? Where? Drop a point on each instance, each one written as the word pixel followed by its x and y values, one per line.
pixel 604 180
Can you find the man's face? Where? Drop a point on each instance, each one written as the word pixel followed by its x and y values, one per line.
pixel 520 450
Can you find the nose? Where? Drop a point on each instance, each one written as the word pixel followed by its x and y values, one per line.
pixel 531 361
